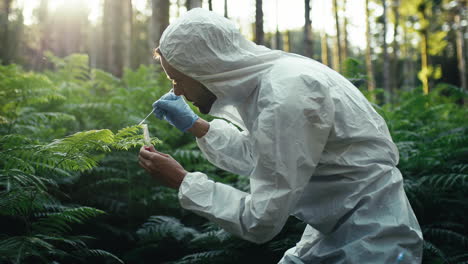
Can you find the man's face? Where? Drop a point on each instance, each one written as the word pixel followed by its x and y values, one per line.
pixel 191 89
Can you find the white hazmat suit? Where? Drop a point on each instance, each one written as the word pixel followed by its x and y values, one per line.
pixel 311 143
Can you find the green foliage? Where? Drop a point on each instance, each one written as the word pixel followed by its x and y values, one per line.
pixel 431 135
pixel 35 168
pixel 354 71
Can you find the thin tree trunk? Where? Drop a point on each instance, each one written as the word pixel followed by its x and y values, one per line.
pixel 424 74
pixel 287 41
pixel 278 38
pixel 4 14
pixel 43 19
pixel 370 70
pixel 106 35
pixel 345 34
pixel 159 22
pixel 226 9
pixel 461 52
pixel 336 56
pixel 424 64
pixel 117 43
pixel 395 80
pixel 409 71
pixel 386 65
pixel 210 5
pixel 337 50
pixel 190 4
pixel 324 49
pixel 259 35
pixel 128 34
pixel 308 38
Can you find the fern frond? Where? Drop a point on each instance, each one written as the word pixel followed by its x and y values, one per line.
pixel 212 256
pixel 160 227
pixel 164 196
pixel 73 241
pixel 97 253
pixel 19 247
pixel 53 173
pixel 73 68
pixel 111 205
pixel 131 137
pixel 107 170
pixel 11 161
pixel 188 156
pixel 13 178
pixel 59 222
pixel 208 239
pixel 35 118
pixel 22 202
pixel 428 247
pixel 89 107
pixel 75 152
pixel 449 236
pixel 446 181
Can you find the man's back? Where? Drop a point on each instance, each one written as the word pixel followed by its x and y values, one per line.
pixel 354 202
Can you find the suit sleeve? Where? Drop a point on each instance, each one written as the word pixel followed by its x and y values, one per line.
pixel 227 147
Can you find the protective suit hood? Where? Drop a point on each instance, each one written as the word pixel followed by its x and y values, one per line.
pixel 210 49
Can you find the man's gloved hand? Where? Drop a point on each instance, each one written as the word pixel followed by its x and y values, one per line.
pixel 175 110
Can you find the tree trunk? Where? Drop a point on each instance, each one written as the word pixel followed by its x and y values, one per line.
pixel 461 52
pixel 4 42
pixel 337 50
pixel 106 36
pixel 128 34
pixel 336 56
pixel 395 80
pixel 117 43
pixel 259 35
pixel 424 73
pixel 210 5
pixel 386 65
pixel 288 41
pixel 159 22
pixel 324 49
pixel 409 69
pixel 278 40
pixel 190 4
pixel 370 70
pixel 308 38
pixel 345 34
pixel 43 19
pixel 226 9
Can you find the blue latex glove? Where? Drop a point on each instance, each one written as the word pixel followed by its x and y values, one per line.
pixel 175 110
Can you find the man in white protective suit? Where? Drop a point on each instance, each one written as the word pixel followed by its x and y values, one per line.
pixel 312 146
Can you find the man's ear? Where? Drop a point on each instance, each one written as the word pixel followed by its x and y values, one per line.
pixel 157 54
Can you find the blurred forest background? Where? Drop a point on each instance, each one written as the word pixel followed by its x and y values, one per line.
pixel 405 42
pixel 76 77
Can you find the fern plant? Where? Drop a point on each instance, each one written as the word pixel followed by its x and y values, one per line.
pixel 30 174
pixel 431 135
pixel 37 225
